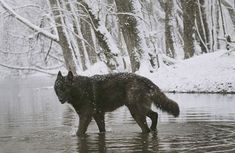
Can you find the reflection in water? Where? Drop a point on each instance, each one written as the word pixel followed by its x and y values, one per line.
pixel 33 120
pixel 104 143
pixel 85 144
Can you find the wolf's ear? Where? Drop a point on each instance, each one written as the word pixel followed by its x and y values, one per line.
pixel 70 76
pixel 59 75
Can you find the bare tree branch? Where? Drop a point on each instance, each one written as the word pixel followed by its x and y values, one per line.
pixel 27 68
pixel 7 52
pixel 28 23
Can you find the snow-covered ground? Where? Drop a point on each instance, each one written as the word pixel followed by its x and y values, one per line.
pixel 212 73
pixel 207 73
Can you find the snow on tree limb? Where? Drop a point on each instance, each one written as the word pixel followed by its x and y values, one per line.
pixel 107 43
pixel 143 49
pixel 7 52
pixel 99 26
pixel 28 23
pixel 64 40
pixel 27 68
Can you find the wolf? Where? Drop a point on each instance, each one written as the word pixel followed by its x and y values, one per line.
pixel 92 97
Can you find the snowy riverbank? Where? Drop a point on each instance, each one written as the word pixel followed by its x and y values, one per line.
pixel 208 73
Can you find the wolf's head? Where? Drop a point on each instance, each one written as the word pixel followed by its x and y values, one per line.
pixel 62 86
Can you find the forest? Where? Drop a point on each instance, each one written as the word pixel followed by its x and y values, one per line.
pixel 61 64
pixel 121 35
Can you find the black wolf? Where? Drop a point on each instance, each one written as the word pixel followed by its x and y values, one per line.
pixel 92 96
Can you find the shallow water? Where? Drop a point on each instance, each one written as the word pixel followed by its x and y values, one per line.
pixel 33 121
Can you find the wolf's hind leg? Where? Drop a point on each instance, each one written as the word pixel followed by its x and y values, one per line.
pixel 99 119
pixel 84 121
pixel 154 117
pixel 140 119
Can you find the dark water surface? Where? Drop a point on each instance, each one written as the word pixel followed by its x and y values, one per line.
pixel 33 121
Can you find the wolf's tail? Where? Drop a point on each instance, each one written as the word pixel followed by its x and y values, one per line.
pixel 164 103
pixel 160 99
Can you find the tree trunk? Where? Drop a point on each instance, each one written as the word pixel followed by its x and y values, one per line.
pixel 203 29
pixel 64 43
pixel 111 53
pixel 89 46
pixel 189 7
pixel 79 42
pixel 218 27
pixel 170 50
pixel 128 25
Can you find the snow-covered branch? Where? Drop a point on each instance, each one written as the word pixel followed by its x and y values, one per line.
pixel 28 23
pixel 130 14
pixel 105 39
pixel 26 68
pixel 168 60
pixel 76 35
pixel 6 52
pixel 49 68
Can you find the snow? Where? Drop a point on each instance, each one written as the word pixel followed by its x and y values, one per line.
pixel 207 73
pixel 108 38
pixel 212 72
pixel 141 28
pixel 97 68
pixel 28 23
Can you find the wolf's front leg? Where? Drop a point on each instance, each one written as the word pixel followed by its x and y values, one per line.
pixel 99 119
pixel 84 121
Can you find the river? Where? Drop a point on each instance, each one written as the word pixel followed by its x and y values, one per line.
pixel 32 120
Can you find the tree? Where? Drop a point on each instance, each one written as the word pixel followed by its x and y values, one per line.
pixel 170 48
pixel 189 13
pixel 80 33
pixel 202 26
pixel 26 45
pixel 131 24
pixel 63 36
pixel 105 40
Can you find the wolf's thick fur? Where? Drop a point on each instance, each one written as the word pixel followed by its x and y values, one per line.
pixel 92 96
